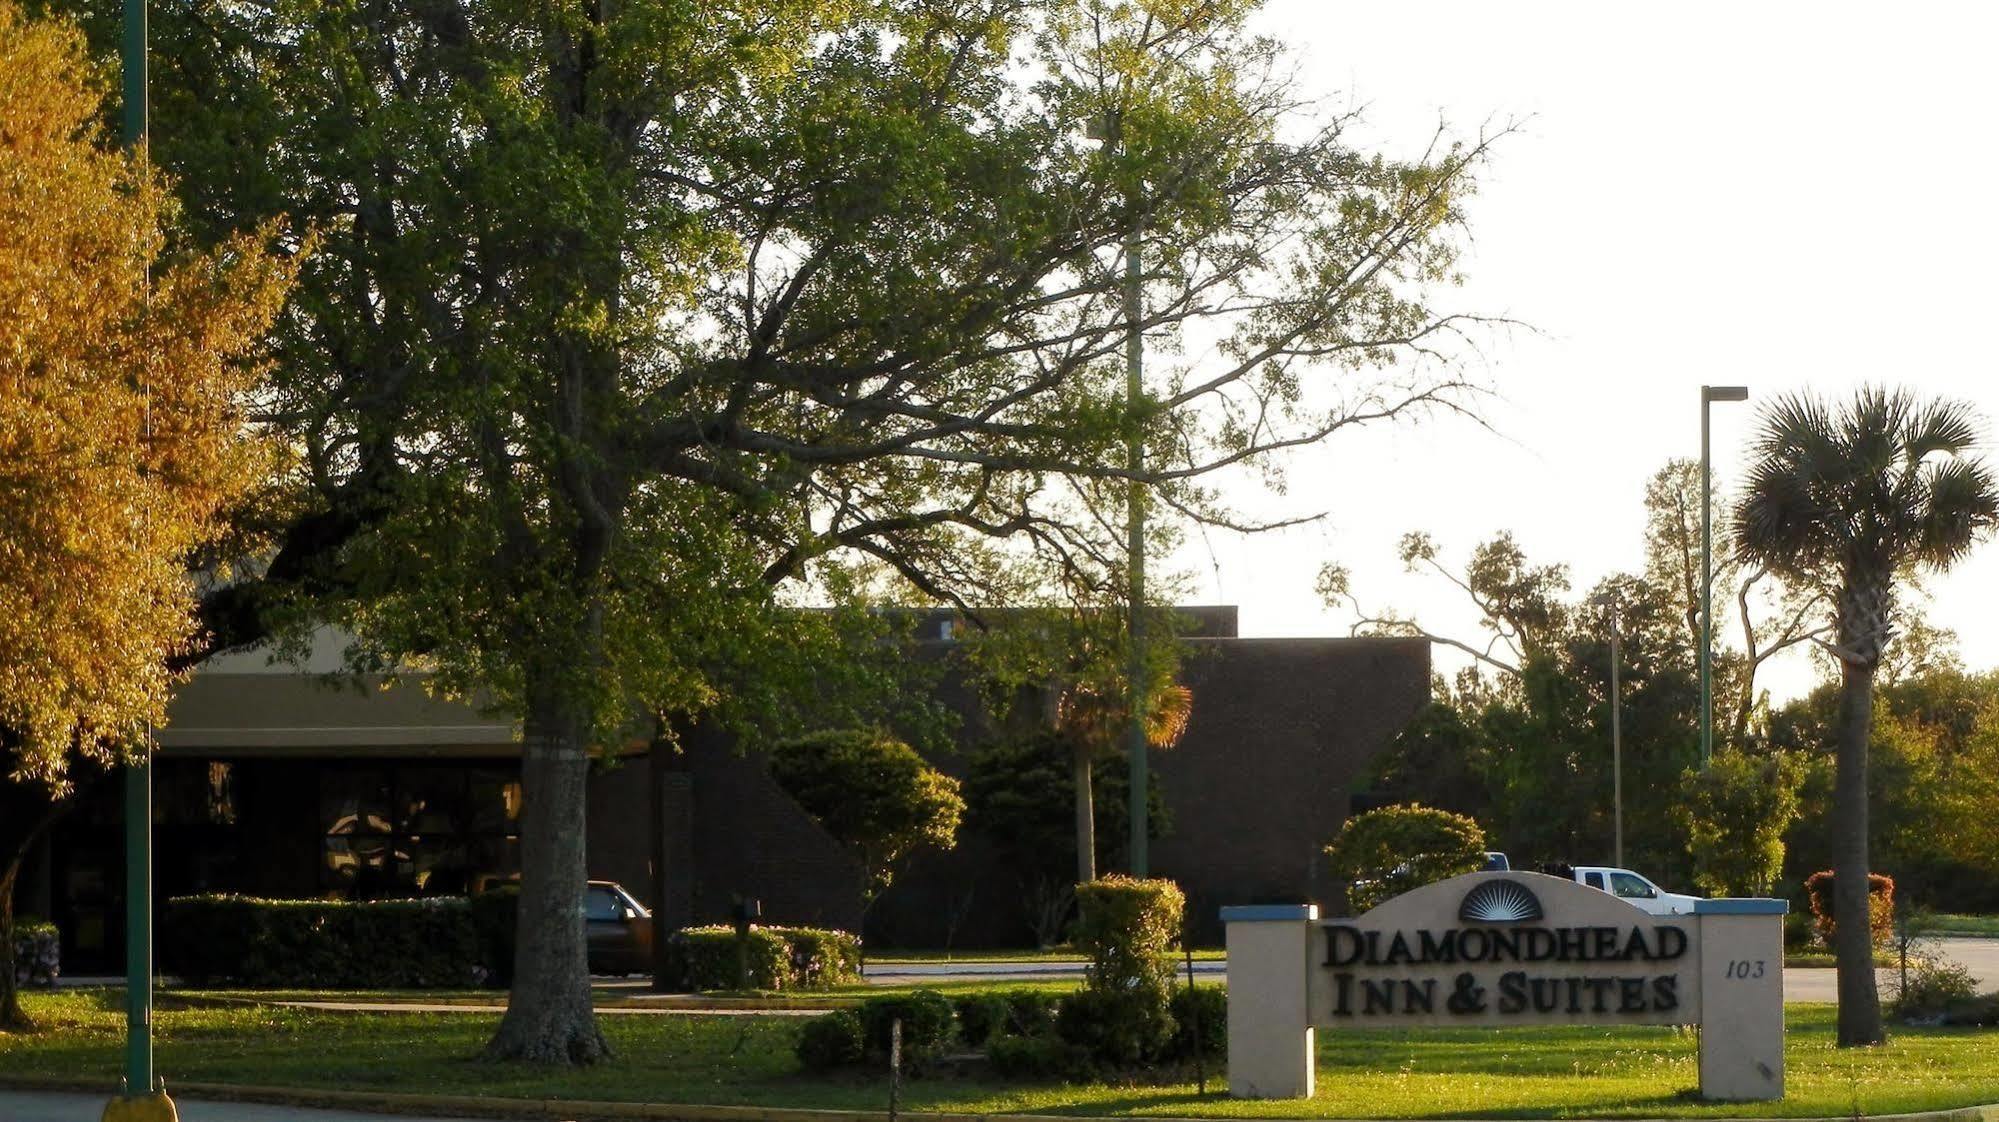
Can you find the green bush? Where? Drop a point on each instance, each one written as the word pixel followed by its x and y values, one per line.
pixel 1935 987
pixel 780 958
pixel 822 958
pixel 832 1041
pixel 1037 1057
pixel 1207 1006
pixel 1799 934
pixel 927 1025
pixel 980 1017
pixel 1117 1028
pixel 1030 1013
pixel 377 944
pixel 1880 906
pixel 495 917
pixel 37 953
pixel 1128 928
pixel 1386 852
pixel 704 958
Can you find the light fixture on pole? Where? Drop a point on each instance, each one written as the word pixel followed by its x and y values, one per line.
pixel 1616 735
pixel 1709 395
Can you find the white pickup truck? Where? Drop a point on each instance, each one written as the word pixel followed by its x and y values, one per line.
pixel 1631 888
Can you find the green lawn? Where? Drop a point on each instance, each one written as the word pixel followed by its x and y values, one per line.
pixel 1617 1072
pixel 1944 924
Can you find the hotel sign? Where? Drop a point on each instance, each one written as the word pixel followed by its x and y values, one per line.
pixel 1506 948
pixel 1497 949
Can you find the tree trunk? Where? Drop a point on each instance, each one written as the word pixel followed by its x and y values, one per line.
pixel 549 1018
pixel 1086 821
pixel 1853 937
pixel 12 1019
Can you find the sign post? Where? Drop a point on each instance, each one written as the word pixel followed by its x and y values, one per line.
pixel 1498 949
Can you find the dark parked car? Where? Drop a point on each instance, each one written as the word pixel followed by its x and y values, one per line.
pixel 618 930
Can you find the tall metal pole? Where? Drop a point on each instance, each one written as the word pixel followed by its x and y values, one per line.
pixel 1616 736
pixel 1707 592
pixel 1709 395
pixel 139 1077
pixel 1134 390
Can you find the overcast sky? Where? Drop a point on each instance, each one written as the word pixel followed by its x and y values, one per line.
pixel 1779 195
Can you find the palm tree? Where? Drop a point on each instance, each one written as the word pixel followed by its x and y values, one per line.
pixel 1093 721
pixel 1847 500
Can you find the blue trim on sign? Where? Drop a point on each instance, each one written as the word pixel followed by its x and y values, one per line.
pixel 1269 913
pixel 1745 906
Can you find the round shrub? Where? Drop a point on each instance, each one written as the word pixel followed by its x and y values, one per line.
pixel 704 958
pixel 927 1025
pixel 832 1041
pixel 980 1017
pixel 1036 1057
pixel 1117 1028
pixel 1387 852
pixel 37 953
pixel 822 958
pixel 1208 1007
pixel 1030 1013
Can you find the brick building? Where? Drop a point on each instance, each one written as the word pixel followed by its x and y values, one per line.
pixel 292 782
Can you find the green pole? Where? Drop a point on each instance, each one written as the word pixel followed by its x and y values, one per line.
pixel 139 1079
pixel 1134 365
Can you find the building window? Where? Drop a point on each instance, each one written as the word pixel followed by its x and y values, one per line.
pixel 418 830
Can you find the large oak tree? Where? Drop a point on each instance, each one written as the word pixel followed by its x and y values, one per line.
pixel 629 315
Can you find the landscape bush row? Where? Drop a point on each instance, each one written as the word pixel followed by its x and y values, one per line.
pixel 37 953
pixel 1022 1034
pixel 1128 1015
pixel 447 941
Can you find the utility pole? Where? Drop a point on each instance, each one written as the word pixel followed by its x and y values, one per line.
pixel 143 1098
pixel 1134 525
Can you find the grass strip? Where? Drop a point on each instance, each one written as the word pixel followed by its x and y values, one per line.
pixel 1623 1072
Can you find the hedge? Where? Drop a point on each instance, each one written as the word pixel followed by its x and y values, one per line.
pixel 335 944
pixel 779 958
pixel 37 953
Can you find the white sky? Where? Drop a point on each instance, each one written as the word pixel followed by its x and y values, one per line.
pixel 1779 195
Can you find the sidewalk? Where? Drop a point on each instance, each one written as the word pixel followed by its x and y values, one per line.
pixel 52 1106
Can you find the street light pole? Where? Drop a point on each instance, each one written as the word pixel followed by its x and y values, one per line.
pixel 1616 737
pixel 1134 524
pixel 1709 395
pixel 143 1099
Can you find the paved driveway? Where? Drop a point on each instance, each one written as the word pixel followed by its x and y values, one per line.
pixel 1980 956
pixel 40 1106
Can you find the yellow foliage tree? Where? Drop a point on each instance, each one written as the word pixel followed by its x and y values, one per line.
pixel 123 440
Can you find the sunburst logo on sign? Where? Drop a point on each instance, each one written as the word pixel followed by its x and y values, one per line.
pixel 1500 901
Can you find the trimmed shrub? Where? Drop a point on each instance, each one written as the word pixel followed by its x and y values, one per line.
pixel 495 917
pixel 1387 852
pixel 821 957
pixel 1799 934
pixel 37 953
pixel 1880 906
pixel 376 944
pixel 1030 1013
pixel 1037 1057
pixel 981 1016
pixel 833 1041
pixel 704 958
pixel 1128 928
pixel 1207 1006
pixel 927 1025
pixel 1117 1028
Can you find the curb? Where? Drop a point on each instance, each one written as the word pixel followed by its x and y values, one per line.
pixel 584 1110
